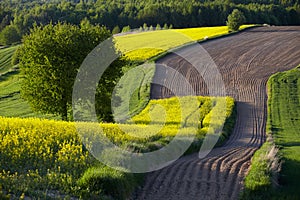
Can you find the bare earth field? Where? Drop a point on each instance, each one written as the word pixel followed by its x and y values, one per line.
pixel 245 61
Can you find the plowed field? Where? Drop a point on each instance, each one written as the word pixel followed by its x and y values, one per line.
pixel 245 61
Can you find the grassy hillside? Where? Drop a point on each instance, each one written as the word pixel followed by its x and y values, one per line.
pixel 6 54
pixel 11 104
pixel 283 125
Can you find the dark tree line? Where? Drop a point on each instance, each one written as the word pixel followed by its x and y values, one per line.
pixel 21 15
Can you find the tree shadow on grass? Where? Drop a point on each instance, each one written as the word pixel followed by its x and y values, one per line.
pixel 5 76
pixel 289 180
pixel 290 144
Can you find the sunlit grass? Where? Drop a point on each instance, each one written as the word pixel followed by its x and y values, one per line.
pixel 284 107
pixel 283 123
pixel 5 58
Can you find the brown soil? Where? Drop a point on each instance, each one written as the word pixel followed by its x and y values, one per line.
pixel 246 61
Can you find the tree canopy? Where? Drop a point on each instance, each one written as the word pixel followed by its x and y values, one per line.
pixel 235 20
pixel 9 35
pixel 50 58
pixel 135 13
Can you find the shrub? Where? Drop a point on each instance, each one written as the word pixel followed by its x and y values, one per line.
pixel 107 181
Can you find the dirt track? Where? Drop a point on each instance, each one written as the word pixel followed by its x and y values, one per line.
pixel 246 61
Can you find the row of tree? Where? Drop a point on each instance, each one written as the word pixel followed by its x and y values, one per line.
pixel 17 18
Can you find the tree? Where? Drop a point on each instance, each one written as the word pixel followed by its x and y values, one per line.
pixel 116 30
pixel 49 60
pixel 145 27
pixel 126 29
pixel 235 20
pixel 9 35
pixel 158 27
pixel 165 26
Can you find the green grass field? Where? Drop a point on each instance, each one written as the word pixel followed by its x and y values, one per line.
pixel 283 125
pixel 11 103
pixel 5 58
pixel 134 88
pixel 284 121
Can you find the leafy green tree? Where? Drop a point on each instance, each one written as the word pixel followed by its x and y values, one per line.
pixel 235 20
pixel 165 26
pixel 9 35
pixel 145 27
pixel 126 29
pixel 116 30
pixel 5 20
pixel 50 58
pixel 158 27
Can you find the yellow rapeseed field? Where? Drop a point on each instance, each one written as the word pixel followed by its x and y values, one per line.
pixel 48 142
pixel 144 45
